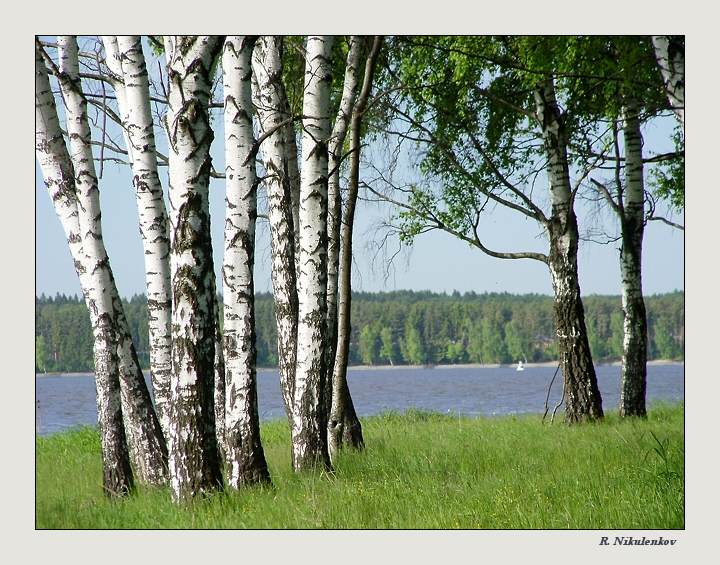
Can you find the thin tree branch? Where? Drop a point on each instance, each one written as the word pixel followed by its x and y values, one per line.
pixel 606 194
pixel 534 213
pixel 256 146
pixel 668 222
pixel 436 223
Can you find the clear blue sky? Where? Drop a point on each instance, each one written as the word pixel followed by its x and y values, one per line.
pixel 436 261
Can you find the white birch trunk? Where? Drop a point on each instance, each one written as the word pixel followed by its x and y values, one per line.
pixel 343 425
pixel 634 362
pixel 268 97
pixel 582 396
pixel 245 458
pixel 147 445
pixel 671 60
pixel 125 56
pixel 309 416
pixel 59 175
pixel 335 150
pixel 192 445
pixel 112 60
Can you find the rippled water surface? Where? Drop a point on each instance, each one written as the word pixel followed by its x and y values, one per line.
pixel 65 401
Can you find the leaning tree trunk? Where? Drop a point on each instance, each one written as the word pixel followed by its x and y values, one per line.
pixel 193 450
pixel 634 362
pixel 59 176
pixel 309 440
pixel 125 57
pixel 670 56
pixel 245 457
pixel 335 149
pixel 343 424
pixel 582 396
pixel 148 447
pixel 269 96
pixel 148 450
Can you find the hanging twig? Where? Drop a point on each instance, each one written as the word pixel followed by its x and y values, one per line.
pixel 562 399
pixel 547 398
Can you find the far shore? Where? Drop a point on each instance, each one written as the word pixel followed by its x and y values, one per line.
pixel 493 365
pixel 394 367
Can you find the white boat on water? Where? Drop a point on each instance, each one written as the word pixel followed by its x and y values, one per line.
pixel 520 366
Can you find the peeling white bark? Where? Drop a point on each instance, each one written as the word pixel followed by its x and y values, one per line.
pixel 125 57
pixel 84 238
pixel 670 56
pixel 269 99
pixel 309 415
pixel 634 369
pixel 245 458
pixel 112 60
pixel 192 445
pixel 147 446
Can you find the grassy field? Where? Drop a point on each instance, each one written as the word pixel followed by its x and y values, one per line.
pixel 419 471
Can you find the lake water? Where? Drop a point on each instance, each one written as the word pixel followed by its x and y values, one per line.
pixel 65 401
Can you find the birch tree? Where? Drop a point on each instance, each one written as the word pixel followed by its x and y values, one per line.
pixel 489 122
pixel 335 150
pixel 670 55
pixel 632 222
pixel 343 423
pixel 126 62
pixel 245 458
pixel 270 99
pixel 631 99
pixel 192 445
pixel 309 439
pixel 59 176
pixel 582 396
pixel 147 445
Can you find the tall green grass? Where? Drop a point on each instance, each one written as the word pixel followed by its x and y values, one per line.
pixel 419 470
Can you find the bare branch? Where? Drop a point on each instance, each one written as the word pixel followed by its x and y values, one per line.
pixel 534 212
pixel 436 223
pixel 664 157
pixel 668 222
pixel 256 146
pixel 537 213
pixel 606 194
pixel 115 118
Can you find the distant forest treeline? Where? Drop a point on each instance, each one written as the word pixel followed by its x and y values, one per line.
pixel 401 327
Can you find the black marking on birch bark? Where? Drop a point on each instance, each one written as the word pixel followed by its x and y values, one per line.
pixel 194 457
pixel 117 474
pixel 582 396
pixel 632 222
